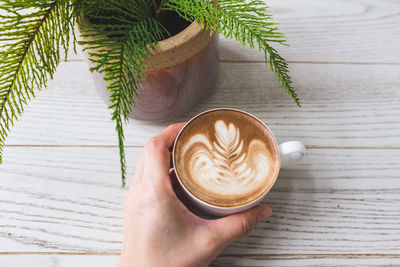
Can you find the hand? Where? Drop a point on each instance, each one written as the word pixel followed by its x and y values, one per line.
pixel 159 230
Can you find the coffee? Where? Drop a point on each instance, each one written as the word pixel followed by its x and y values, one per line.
pixel 226 158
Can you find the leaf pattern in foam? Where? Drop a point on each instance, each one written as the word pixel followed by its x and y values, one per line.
pixel 225 166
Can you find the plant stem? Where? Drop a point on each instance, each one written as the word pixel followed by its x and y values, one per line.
pixel 156 11
pixel 145 5
pixel 27 45
pixel 155 5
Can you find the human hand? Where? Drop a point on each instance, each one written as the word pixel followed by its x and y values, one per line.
pixel 159 230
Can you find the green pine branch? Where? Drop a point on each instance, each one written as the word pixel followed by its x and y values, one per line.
pixel 120 55
pixel 247 22
pixel 119 35
pixel 32 36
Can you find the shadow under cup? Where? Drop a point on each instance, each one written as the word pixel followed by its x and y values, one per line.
pixel 204 129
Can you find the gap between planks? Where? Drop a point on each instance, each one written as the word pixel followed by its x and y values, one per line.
pixel 315 62
pixel 290 62
pixel 133 146
pixel 265 256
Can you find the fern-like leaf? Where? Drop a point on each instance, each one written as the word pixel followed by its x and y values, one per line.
pixel 244 20
pixel 120 54
pixel 33 35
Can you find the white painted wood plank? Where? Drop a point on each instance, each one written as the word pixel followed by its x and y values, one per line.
pixel 307 261
pixel 70 200
pixel 57 261
pixel 328 31
pixel 276 261
pixel 331 31
pixel 336 201
pixel 343 105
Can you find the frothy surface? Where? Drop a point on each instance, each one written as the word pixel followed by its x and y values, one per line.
pixel 226 158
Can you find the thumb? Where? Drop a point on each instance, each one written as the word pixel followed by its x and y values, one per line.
pixel 230 228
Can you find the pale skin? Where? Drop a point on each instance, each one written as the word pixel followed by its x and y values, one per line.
pixel 159 230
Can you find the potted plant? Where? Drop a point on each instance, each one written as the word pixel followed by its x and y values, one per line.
pixel 151 59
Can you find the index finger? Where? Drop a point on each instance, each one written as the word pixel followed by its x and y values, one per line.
pixel 169 134
pixel 157 156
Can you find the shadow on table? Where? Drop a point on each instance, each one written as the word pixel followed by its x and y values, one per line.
pixel 280 233
pixel 261 95
pixel 249 86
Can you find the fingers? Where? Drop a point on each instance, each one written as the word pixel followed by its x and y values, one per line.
pixel 139 168
pixel 155 151
pixel 168 135
pixel 157 155
pixel 230 228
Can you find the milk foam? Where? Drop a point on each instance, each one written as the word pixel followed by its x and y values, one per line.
pixel 224 167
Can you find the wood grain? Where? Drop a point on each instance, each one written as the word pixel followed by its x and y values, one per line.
pixel 70 200
pixel 60 194
pixel 308 260
pixel 343 105
pixel 56 260
pixel 326 31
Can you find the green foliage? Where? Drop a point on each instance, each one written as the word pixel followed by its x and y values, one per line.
pixel 32 36
pixel 247 22
pixel 120 56
pixel 118 35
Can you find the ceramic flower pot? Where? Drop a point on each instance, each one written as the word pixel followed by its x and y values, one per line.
pixel 182 72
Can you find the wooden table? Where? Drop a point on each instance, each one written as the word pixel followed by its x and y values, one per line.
pixel 60 193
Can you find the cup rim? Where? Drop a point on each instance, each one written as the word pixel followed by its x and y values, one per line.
pixel 236 206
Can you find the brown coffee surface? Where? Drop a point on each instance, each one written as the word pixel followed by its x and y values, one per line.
pixel 226 158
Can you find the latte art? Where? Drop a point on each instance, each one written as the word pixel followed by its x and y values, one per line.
pixel 225 167
pixel 226 158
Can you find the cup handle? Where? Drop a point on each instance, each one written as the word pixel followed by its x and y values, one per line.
pixel 291 152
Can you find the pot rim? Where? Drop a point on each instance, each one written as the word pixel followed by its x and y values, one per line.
pixel 173 51
pixel 186 34
pixel 179 48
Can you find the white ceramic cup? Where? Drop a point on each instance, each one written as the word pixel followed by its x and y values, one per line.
pixel 290 152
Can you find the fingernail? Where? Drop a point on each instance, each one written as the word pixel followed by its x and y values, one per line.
pixel 263 214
